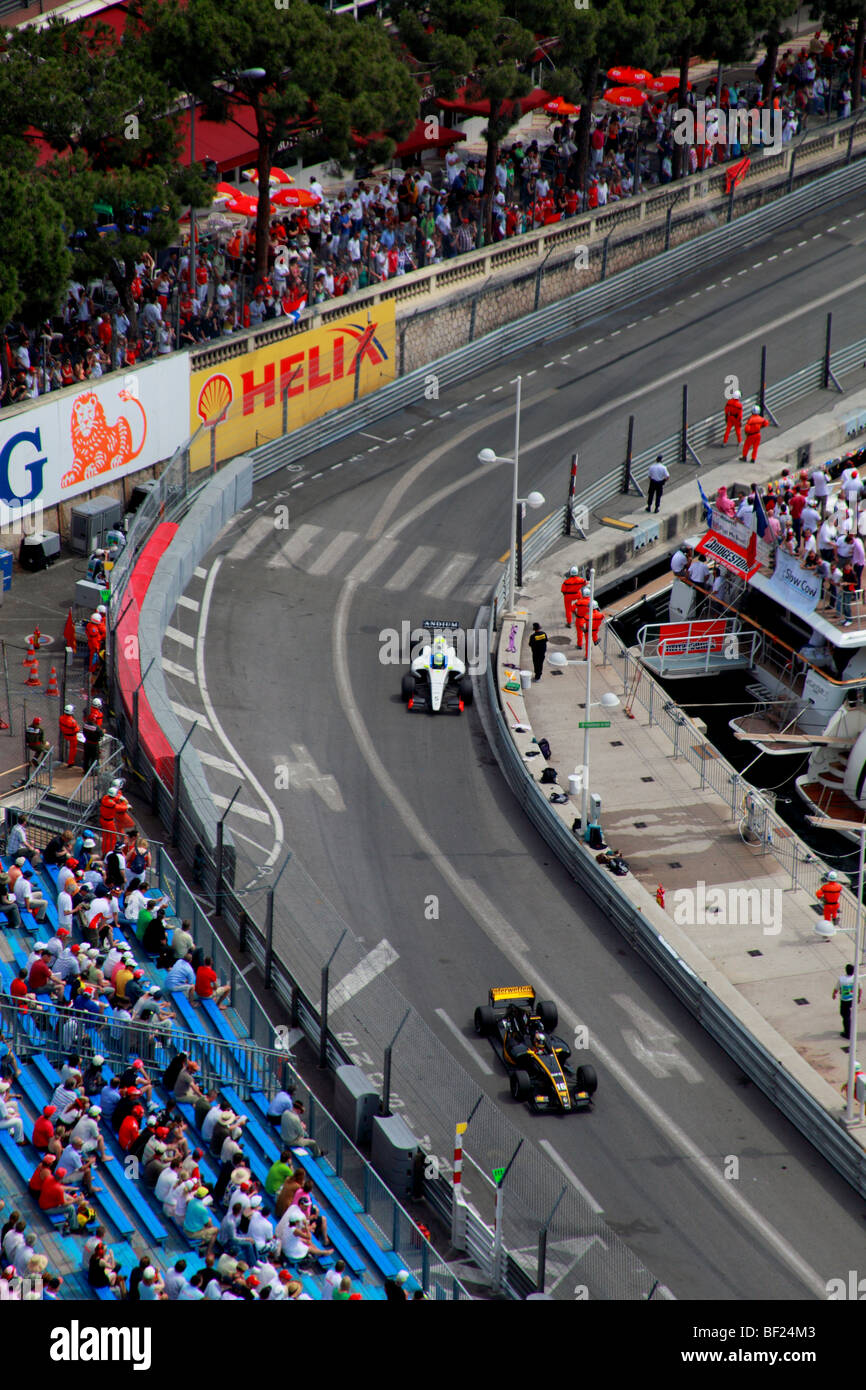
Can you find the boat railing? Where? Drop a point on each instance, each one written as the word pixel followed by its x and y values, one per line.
pixel 697 645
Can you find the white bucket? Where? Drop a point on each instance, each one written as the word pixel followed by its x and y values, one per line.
pixel 575 784
pixel 526 679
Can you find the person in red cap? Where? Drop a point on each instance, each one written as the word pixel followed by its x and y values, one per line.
pixel 43 1129
pixel 54 1195
pixel 130 1128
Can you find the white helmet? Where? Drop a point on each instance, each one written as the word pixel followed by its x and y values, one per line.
pixel 94 617
pixel 102 608
pixel 585 592
pixel 832 876
pixel 573 572
pixel 68 709
pixel 97 703
pixel 595 603
pixel 737 396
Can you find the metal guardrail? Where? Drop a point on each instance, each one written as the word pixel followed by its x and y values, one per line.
pixel 757 1062
pixel 558 319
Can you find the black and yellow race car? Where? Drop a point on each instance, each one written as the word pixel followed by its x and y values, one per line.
pixel 521 1031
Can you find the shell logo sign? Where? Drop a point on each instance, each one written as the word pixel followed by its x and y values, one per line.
pixel 214 399
pixel 316 372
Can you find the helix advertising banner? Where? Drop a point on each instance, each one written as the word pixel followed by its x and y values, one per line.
pixel 319 370
pixel 74 441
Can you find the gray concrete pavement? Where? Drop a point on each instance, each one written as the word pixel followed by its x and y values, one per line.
pixel 275 643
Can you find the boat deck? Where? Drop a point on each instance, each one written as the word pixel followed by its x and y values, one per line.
pixel 832 802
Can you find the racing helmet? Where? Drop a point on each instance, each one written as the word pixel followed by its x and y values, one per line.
pixel 540 1040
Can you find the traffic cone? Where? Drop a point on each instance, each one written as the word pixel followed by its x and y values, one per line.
pixel 33 678
pixel 52 687
pixel 30 653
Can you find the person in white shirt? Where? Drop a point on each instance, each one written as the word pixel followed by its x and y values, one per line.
pixel 9 1117
pixel 333 1278
pixel 746 514
pixel 27 899
pixel 658 476
pixel 260 1229
pixel 699 572
pixel 810 546
pixel 827 540
pixel 680 559
pixel 175 1279
pixel 167 1182
pixel 602 198
pixel 810 518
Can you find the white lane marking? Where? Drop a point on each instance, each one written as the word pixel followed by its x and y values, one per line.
pixel 497 388
pixel 742 272
pixel 817 236
pixel 183 638
pixel 333 552
pixel 299 773
pixel 632 325
pixel 464 405
pixel 194 717
pixel 297 544
pixel 377 437
pixel 541 441
pixel 387 549
pixel 787 251
pixel 273 813
pixel 373 964
pixel 565 356
pixel 450 576
pixel 221 764
pixel 473 1052
pixel 443 414
pixel 656 1048
pixel 182 673
pixel 727 280
pixel 190 603
pixel 495 925
pixel 772 258
pixel 584 348
pixel 757 265
pixel 846 220
pixel 239 835
pixel 533 372
pixel 335 465
pixel 315 476
pixel 411 568
pixel 696 295
pixel 407 434
pixel 833 228
pixel 803 243
pixel 373 449
pixel 239 809
pixel 571 1175
pixel 481 397
pixel 596 341
pixel 199 572
pixel 710 287
pixel 549 364
pixel 616 333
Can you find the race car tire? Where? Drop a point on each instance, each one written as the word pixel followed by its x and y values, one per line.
pixel 407 688
pixel 549 1015
pixel 521 1085
pixel 587 1079
pixel 485 1020
pixel 464 685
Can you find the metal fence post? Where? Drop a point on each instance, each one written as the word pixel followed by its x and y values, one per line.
pixel 269 937
pixel 385 1107
pixel 518 539
pixel 473 311
pixel 323 1010
pixel 542 1243
pixel 828 370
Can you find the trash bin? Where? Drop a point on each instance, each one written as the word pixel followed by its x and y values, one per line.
pixel 526 679
pixel 575 784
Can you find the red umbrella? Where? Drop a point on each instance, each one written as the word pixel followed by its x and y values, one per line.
pixel 667 83
pixel 275 176
pixel 630 77
pixel 624 96
pixel 296 198
pixel 560 107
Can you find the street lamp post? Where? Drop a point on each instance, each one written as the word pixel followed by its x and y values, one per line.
pixel 860 827
pixel 534 499
pixel 608 701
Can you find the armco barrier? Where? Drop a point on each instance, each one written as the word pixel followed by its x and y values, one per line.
pixel 558 319
pixel 803 1110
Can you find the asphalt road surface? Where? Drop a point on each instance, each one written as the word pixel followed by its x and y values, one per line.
pixel 281 634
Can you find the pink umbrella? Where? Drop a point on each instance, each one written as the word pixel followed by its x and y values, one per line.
pixel 624 96
pixel 296 198
pixel 630 77
pixel 668 83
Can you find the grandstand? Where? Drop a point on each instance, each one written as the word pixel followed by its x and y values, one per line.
pixel 366 1227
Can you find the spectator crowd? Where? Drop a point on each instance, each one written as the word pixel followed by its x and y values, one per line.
pixel 378 228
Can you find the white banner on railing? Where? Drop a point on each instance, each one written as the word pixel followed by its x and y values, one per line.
pixel 76 440
pixel 793 586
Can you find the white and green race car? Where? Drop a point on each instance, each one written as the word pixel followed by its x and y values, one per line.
pixel 437 679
